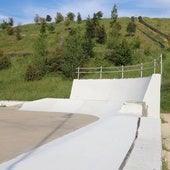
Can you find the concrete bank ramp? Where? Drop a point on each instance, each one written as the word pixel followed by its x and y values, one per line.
pixel 95 97
pixel 109 143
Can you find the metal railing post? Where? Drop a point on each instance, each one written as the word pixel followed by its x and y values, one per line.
pixel 161 63
pixel 101 72
pixel 78 73
pixel 122 71
pixel 141 70
pixel 154 66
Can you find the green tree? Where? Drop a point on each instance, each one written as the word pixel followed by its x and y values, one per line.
pixel 123 54
pixel 67 21
pixel 99 14
pixel 4 25
pixel 11 21
pixel 114 36
pixel 71 16
pixel 51 28
pixel 10 30
pixel 74 54
pixel 43 26
pixel 18 32
pixel 54 61
pixel 79 19
pixel 90 28
pixel 131 28
pixel 48 18
pixel 4 61
pixel 114 15
pixel 101 34
pixel 59 18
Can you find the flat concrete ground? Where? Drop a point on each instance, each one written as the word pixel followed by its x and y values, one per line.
pixel 21 131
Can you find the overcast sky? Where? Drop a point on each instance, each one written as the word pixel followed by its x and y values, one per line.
pixel 23 11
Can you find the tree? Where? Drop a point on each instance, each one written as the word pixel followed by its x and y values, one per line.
pixel 99 14
pixel 48 18
pixel 101 34
pixel 10 30
pixel 79 19
pixel 37 19
pixel 43 26
pixel 54 61
pixel 18 32
pixel 114 15
pixel 11 21
pixel 123 54
pixel 71 16
pixel 114 35
pixel 131 28
pixel 74 54
pixel 51 28
pixel 4 61
pixel 59 18
pixel 4 25
pixel 90 28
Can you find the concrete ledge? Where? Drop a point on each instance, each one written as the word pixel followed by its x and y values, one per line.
pixel 146 154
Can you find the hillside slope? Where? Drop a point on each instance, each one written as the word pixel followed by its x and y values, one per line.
pixel 14 87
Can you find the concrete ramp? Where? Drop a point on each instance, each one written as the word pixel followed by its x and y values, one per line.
pixel 95 97
pixel 110 89
pixel 102 145
pixel 111 143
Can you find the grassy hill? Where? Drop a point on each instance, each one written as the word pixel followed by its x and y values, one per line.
pixel 14 87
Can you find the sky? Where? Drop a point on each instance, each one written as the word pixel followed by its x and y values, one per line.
pixel 24 11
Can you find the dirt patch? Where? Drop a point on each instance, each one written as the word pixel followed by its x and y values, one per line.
pixel 21 131
pixel 166 137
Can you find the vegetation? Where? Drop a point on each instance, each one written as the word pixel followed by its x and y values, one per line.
pixel 44 55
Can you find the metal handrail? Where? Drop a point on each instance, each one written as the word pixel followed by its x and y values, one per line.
pixel 121 69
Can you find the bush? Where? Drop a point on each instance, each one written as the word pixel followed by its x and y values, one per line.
pixel 54 61
pixel 10 30
pixel 4 61
pixel 33 72
pixel 123 54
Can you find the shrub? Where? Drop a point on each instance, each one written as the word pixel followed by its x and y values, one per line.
pixel 123 54
pixel 54 61
pixel 4 61
pixel 33 72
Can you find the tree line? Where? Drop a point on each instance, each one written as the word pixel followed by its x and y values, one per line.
pixel 77 48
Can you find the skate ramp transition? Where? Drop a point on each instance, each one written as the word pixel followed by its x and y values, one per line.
pixel 100 97
pixel 127 135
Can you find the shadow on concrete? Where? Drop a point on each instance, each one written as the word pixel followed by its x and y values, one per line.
pixel 25 156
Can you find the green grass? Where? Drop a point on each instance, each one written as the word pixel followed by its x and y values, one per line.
pixel 14 87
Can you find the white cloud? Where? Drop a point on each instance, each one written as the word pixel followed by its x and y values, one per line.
pixel 3 17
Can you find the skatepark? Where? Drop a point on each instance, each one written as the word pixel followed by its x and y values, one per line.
pixel 125 132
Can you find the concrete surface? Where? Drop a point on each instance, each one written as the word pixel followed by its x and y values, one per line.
pixel 95 97
pixel 95 147
pixel 152 96
pixel 107 143
pixel 146 154
pixel 22 131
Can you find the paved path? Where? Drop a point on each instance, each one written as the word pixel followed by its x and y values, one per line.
pixel 22 131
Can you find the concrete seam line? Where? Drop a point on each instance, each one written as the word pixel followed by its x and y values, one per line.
pixel 131 147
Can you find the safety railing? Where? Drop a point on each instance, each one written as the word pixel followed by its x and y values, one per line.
pixel 154 66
